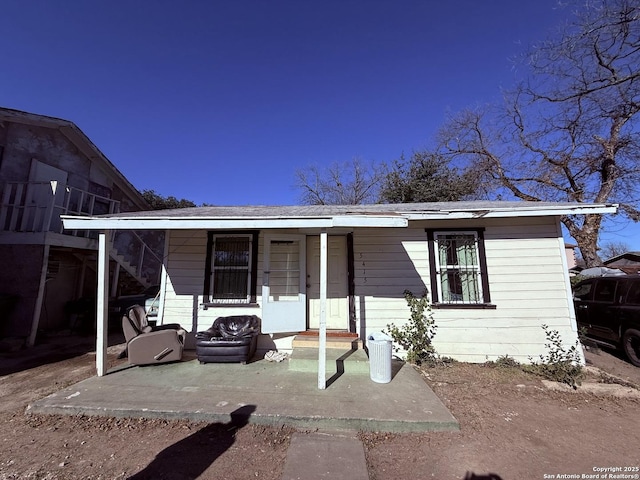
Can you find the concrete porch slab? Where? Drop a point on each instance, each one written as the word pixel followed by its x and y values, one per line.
pixel 270 391
pixel 338 360
pixel 334 341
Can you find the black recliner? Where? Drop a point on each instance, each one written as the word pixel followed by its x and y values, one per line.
pixel 231 339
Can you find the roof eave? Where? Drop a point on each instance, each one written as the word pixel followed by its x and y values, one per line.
pixel 194 223
pixel 514 212
pixel 397 219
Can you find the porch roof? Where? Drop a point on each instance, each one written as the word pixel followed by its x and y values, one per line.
pixel 325 216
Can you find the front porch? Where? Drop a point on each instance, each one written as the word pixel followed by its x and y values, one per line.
pixel 274 393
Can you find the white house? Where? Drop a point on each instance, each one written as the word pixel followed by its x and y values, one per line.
pixel 495 271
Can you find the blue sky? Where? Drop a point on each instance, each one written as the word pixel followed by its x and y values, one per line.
pixel 221 101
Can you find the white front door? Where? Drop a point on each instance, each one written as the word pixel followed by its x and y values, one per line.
pixel 337 286
pixel 284 284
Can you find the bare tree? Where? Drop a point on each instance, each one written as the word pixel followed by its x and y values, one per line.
pixel 613 249
pixel 569 130
pixel 349 183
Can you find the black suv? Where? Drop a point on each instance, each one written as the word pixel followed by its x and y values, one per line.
pixel 608 311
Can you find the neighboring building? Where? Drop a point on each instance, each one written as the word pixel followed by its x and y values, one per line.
pixel 495 271
pixel 570 251
pixel 48 167
pixel 628 262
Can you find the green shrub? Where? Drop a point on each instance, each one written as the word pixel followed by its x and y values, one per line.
pixel 559 364
pixel 506 361
pixel 416 336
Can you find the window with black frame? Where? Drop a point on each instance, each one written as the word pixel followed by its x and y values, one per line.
pixel 230 276
pixel 458 268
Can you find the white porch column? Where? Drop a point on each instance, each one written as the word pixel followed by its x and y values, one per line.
pixel 322 334
pixel 102 303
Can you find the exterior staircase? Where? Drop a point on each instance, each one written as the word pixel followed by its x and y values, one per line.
pixel 132 270
pixel 130 278
pixel 134 256
pixel 344 353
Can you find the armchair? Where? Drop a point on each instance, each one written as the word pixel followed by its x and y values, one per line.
pixel 229 340
pixel 148 345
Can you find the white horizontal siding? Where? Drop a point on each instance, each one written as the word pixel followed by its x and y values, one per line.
pixel 524 343
pixel 527 286
pixel 186 260
pixel 387 262
pixel 552 287
pixel 185 268
pixel 393 258
pixel 526 273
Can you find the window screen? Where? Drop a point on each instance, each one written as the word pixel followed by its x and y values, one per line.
pixel 458 268
pixel 230 269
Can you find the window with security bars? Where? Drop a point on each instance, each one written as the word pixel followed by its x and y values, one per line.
pixel 229 276
pixel 458 268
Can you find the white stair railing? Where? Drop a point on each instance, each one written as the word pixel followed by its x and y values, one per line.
pixel 37 206
pixel 133 254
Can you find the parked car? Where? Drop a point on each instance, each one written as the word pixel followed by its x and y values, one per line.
pixel 147 299
pixel 608 311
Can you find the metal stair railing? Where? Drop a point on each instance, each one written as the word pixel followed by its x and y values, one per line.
pixel 37 206
pixel 136 257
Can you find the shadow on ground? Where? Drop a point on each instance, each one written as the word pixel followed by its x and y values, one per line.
pixel 193 455
pixel 488 476
pixel 48 349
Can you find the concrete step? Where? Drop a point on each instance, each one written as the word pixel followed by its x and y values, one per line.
pixel 339 360
pixel 333 341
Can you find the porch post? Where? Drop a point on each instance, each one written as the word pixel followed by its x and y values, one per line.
pixel 102 303
pixel 322 334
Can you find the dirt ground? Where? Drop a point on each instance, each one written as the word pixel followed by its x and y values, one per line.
pixel 512 427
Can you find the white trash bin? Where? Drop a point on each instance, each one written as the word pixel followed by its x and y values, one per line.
pixel 380 352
